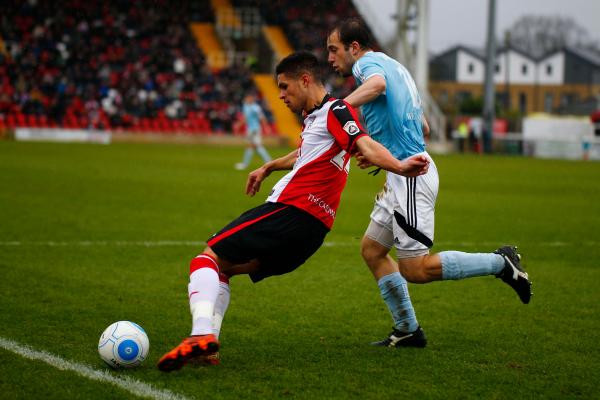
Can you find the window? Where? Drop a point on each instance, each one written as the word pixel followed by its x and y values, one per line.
pixel 462 95
pixel 523 102
pixel 524 69
pixel 471 68
pixel 502 99
pixel 443 98
pixel 548 69
pixel 567 99
pixel 548 100
pixel 497 68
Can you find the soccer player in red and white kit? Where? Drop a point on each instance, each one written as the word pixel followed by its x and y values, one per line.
pixel 281 234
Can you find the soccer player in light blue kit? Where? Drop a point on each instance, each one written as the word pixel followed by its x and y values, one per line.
pixel 403 215
pixel 253 115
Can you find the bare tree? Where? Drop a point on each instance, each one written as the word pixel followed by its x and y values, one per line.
pixel 538 35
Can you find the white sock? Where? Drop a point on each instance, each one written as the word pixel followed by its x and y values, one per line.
pixel 203 290
pixel 220 308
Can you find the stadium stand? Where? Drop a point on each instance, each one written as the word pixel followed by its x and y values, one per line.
pixel 306 25
pixel 127 65
pixel 114 64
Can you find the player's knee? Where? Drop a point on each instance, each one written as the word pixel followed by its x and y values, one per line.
pixel 204 260
pixel 412 274
pixel 418 270
pixel 371 250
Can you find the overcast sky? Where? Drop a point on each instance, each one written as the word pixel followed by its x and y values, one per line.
pixel 464 21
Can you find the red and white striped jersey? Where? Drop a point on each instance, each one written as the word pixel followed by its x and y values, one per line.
pixel 316 182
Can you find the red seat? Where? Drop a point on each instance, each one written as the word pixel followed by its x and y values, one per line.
pixel 164 125
pixel 10 121
pixel 43 121
pixel 31 121
pixel 177 125
pixel 70 121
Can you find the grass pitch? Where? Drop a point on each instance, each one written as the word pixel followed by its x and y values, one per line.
pixel 94 234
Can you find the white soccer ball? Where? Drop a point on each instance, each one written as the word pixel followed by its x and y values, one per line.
pixel 123 344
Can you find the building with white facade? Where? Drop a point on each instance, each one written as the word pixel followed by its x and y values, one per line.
pixel 523 83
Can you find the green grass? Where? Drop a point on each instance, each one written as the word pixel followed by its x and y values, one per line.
pixel 304 335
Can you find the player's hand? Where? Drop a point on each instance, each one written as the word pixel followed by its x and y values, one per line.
pixel 361 161
pixel 415 166
pixel 255 178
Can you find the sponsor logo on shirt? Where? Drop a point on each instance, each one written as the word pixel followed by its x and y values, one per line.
pixel 321 203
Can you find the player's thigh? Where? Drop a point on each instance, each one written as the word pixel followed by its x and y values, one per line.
pixel 377 241
pixel 285 241
pixel 246 237
pixel 414 213
pixel 254 137
pixel 382 213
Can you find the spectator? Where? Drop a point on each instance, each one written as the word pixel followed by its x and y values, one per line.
pixel 135 60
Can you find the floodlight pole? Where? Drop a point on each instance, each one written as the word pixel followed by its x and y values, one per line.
pixel 422 50
pixel 488 104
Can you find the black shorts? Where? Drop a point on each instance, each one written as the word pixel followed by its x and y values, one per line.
pixel 280 236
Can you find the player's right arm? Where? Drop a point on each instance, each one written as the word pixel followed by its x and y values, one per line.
pixel 372 82
pixel 367 92
pixel 256 177
pixel 376 154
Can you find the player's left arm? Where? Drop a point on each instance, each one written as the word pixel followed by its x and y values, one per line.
pixel 342 123
pixel 367 92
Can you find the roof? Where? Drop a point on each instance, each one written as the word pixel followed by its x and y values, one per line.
pixel 588 55
pixel 505 49
pixel 477 53
pixel 481 53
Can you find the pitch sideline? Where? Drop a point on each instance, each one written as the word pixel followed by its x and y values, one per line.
pixel 126 383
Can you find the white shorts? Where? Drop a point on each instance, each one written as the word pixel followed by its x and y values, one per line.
pixel 403 215
pixel 254 137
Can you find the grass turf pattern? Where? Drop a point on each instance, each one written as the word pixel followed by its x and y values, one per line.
pixel 304 335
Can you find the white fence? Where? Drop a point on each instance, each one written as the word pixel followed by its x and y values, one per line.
pixel 62 135
pixel 582 148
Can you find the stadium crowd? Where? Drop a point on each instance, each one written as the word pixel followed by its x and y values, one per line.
pixel 124 64
pixel 110 64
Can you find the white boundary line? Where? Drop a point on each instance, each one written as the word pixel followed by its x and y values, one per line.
pixel 131 385
pixel 190 243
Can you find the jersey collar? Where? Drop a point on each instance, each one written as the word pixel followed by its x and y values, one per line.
pixel 325 100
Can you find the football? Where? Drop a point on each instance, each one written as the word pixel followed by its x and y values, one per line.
pixel 123 344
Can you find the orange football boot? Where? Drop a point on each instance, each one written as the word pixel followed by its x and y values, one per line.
pixel 192 347
pixel 212 359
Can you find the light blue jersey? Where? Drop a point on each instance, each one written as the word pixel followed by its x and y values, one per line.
pixel 252 114
pixel 394 118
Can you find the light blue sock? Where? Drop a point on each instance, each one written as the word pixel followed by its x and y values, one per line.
pixel 459 265
pixel 394 291
pixel 248 153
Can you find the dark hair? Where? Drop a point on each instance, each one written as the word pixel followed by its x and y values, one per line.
pixel 298 63
pixel 354 30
